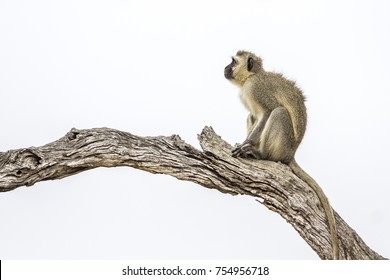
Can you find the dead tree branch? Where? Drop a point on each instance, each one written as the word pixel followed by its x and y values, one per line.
pixel 273 184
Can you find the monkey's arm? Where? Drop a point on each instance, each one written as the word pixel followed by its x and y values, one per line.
pixel 248 147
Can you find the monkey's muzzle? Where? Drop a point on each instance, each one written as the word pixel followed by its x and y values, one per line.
pixel 228 72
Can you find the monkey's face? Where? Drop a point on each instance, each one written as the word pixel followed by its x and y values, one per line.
pixel 229 69
pixel 243 65
pixel 235 70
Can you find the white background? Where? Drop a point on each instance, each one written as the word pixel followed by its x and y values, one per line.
pixel 156 68
pixel 113 269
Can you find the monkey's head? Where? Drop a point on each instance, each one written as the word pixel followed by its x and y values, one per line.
pixel 244 64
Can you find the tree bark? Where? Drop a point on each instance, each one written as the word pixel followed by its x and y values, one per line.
pixel 273 184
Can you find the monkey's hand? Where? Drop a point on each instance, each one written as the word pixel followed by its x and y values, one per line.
pixel 246 150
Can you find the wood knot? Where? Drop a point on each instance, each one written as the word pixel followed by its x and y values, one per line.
pixel 72 134
pixel 296 202
pixel 207 134
pixel 176 138
pixel 30 158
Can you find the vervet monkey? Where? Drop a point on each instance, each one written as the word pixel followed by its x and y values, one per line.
pixel 276 122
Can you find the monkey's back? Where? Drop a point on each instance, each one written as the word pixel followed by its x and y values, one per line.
pixel 288 95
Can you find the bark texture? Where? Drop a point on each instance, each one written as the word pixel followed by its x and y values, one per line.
pixel 273 184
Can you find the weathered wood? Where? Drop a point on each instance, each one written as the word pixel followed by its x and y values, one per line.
pixel 273 184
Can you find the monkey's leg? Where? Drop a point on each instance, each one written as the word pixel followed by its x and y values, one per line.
pixel 249 148
pixel 277 140
pixel 250 123
pixel 245 149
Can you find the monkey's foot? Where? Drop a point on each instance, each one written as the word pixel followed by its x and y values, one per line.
pixel 246 150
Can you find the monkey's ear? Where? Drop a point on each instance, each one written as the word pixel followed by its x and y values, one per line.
pixel 249 63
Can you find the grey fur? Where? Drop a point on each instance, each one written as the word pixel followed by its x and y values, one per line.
pixel 276 123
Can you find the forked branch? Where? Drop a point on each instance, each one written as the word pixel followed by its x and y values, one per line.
pixel 272 184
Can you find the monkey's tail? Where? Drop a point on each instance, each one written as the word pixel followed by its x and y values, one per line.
pixel 325 204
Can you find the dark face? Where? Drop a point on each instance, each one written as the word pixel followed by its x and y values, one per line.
pixel 229 69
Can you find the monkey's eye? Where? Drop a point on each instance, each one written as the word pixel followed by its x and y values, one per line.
pixel 233 61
